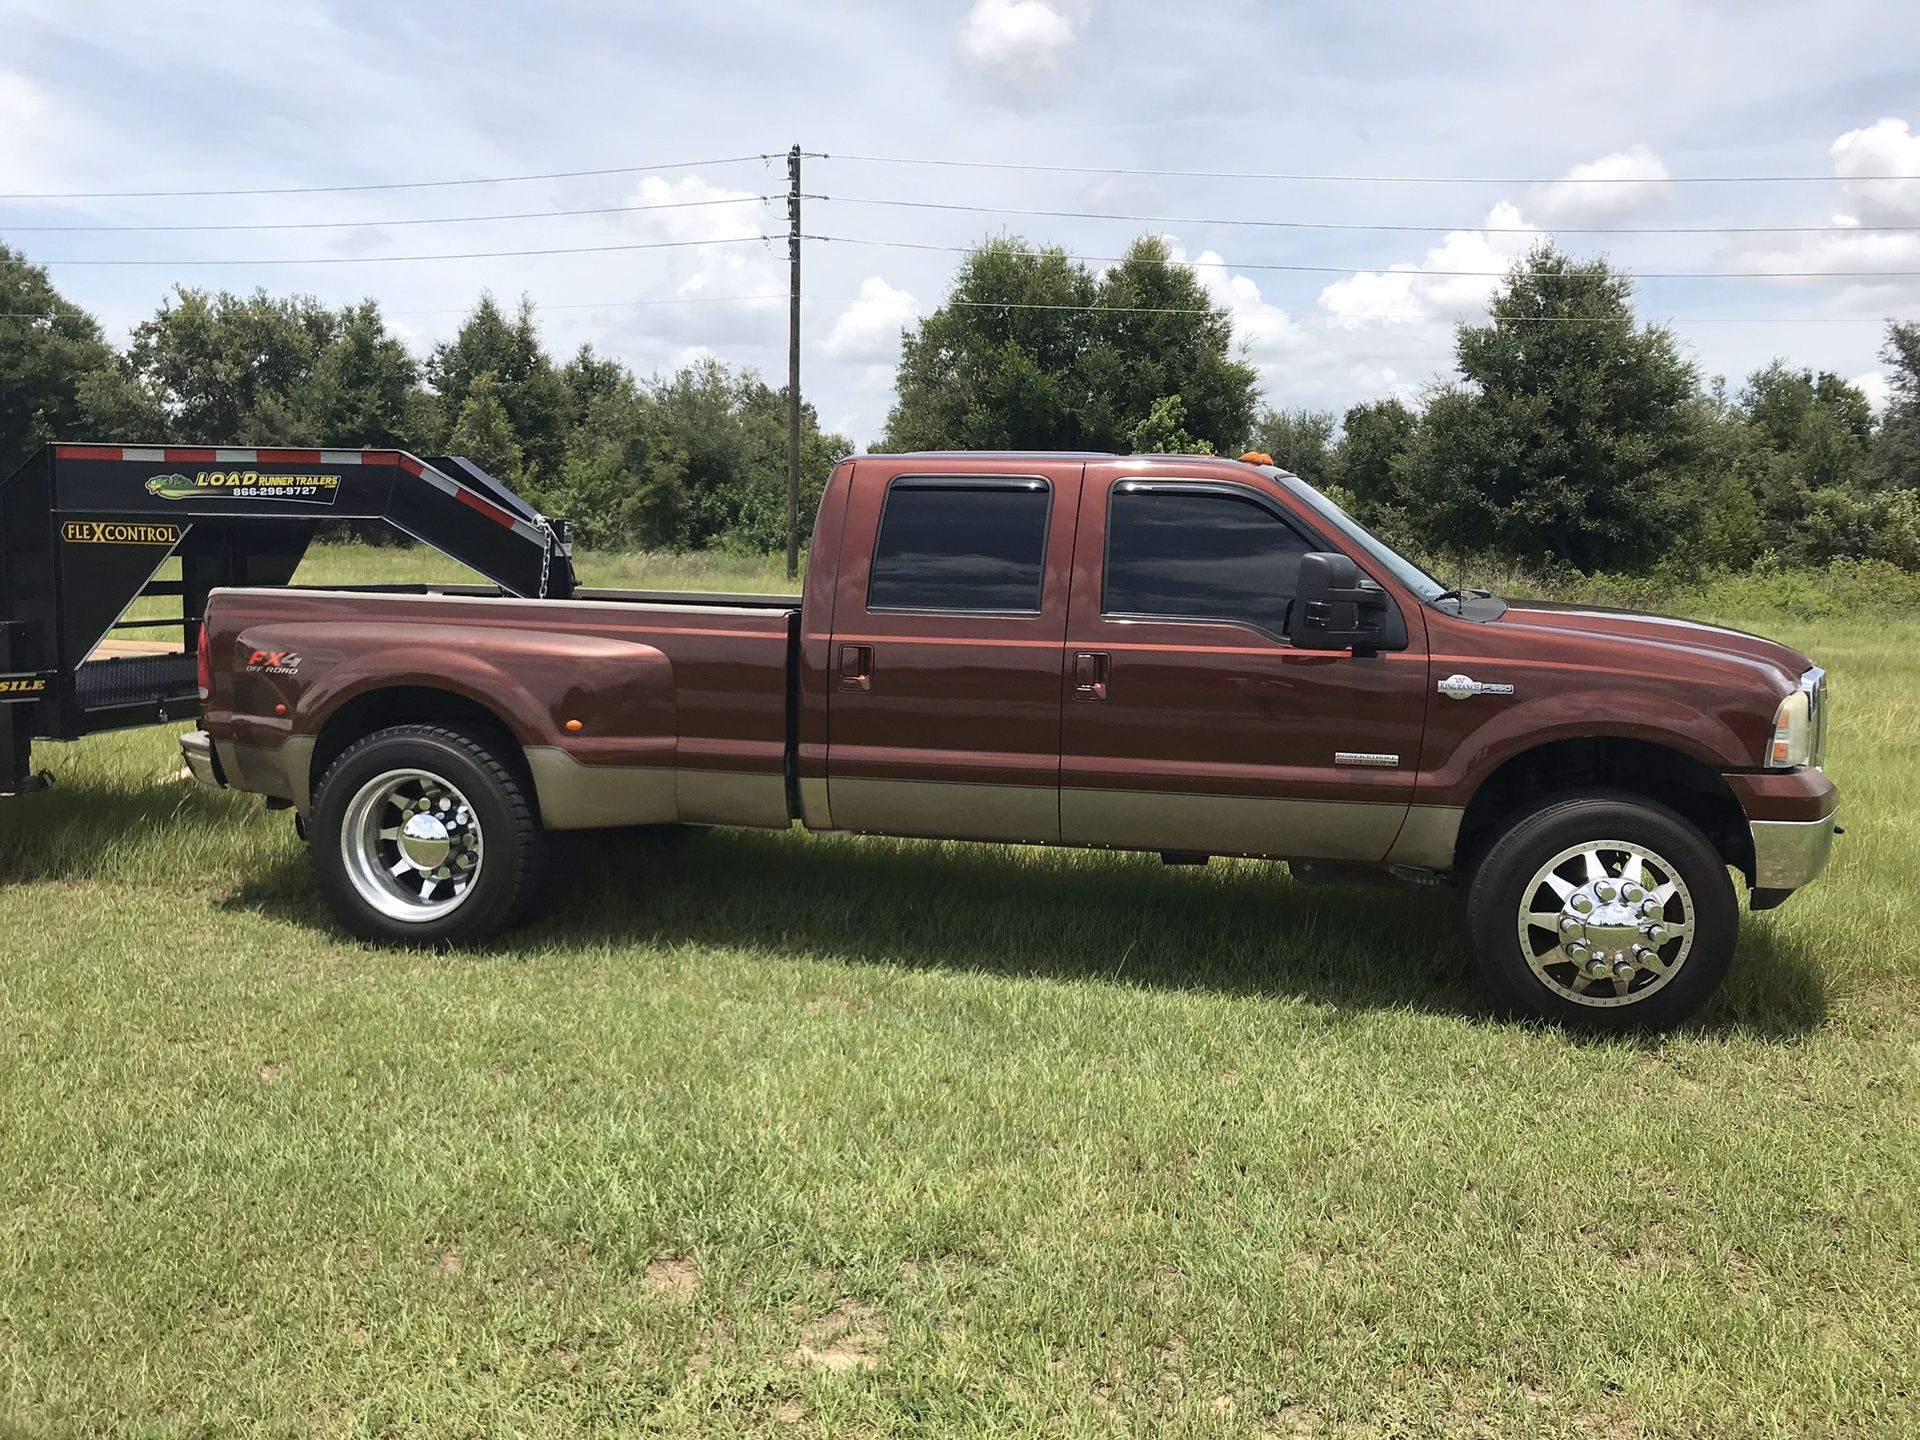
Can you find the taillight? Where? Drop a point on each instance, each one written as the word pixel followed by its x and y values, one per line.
pixel 203 666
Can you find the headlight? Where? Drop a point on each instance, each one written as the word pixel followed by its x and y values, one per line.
pixel 1800 725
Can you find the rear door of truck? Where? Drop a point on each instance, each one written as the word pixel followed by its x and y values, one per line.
pixel 949 629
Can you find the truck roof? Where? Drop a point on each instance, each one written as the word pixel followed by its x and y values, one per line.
pixel 1035 456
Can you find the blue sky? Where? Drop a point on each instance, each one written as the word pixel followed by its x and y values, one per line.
pixel 227 94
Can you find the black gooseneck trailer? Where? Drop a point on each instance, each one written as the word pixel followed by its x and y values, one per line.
pixel 86 530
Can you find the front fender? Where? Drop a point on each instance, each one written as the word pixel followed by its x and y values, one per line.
pixel 1468 740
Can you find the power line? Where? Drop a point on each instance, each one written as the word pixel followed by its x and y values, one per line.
pixel 1363 179
pixel 388 185
pixel 1440 319
pixel 394 259
pixel 1414 274
pixel 1400 229
pixel 387 224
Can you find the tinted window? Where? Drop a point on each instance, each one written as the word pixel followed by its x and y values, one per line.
pixel 1200 556
pixel 950 545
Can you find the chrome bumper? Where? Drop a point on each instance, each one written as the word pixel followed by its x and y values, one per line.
pixel 1789 853
pixel 196 748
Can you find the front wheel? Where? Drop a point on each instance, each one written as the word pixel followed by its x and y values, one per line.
pixel 421 834
pixel 1604 911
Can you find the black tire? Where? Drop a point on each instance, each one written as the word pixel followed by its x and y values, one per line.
pixel 1535 975
pixel 510 847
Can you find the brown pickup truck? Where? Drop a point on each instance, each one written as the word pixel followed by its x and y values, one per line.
pixel 1183 654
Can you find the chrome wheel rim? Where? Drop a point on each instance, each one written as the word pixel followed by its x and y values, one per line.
pixel 1607 923
pixel 412 845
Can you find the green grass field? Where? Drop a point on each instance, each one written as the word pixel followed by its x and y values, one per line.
pixel 769 1135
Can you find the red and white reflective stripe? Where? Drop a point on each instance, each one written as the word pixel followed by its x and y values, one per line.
pixel 470 499
pixel 223 455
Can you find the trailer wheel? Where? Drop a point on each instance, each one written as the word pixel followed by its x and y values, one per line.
pixel 1601 910
pixel 420 834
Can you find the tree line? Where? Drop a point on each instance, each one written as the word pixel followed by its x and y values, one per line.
pixel 690 461
pixel 1570 434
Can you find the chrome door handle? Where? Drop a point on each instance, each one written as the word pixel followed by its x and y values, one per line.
pixel 1090 669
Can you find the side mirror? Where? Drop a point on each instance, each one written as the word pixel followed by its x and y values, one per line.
pixel 1335 607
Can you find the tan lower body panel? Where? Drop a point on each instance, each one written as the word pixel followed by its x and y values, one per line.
pixel 939 810
pixel 282 770
pixel 1230 824
pixel 1428 838
pixel 574 796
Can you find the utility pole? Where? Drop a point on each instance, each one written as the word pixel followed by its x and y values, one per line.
pixel 793 362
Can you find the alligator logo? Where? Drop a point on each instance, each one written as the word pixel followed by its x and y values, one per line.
pixel 172 487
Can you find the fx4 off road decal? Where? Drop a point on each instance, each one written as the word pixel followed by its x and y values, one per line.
pixel 273 662
pixel 121 532
pixel 304 489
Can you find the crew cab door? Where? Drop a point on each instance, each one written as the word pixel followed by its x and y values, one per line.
pixel 1190 723
pixel 950 612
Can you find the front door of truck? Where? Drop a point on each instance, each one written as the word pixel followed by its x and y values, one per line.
pixel 950 613
pixel 1190 723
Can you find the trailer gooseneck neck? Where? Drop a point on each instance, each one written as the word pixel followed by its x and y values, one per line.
pixel 86 530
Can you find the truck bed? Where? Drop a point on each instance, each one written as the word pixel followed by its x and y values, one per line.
pixel 631 707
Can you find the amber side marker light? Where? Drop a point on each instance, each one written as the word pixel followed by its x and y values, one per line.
pixel 575 727
pixel 1256 457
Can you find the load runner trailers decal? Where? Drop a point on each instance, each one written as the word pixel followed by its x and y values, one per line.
pixel 304 489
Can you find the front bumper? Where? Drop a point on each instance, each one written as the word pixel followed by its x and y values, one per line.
pixel 1789 853
pixel 196 748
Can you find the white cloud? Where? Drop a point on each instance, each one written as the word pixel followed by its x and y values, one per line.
pixel 868 330
pixel 1616 186
pixel 1014 47
pixel 1875 386
pixel 1886 147
pixel 709 275
pixel 1472 260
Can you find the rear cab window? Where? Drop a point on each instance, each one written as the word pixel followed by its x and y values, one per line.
pixel 961 545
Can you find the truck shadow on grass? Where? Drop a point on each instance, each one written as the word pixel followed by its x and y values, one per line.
pixel 1235 928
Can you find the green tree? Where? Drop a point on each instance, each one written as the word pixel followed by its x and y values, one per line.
pixel 1298 440
pixel 1370 462
pixel 1031 350
pixel 1164 432
pixel 1155 332
pixel 1807 440
pixel 1574 435
pixel 51 356
pixel 1896 448
pixel 996 367
pixel 227 369
pixel 364 390
pixel 526 384
pixel 483 432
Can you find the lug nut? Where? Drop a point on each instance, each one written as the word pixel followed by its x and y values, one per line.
pixel 1632 894
pixel 1649 906
pixel 1570 925
pixel 1604 890
pixel 1578 950
pixel 1655 933
pixel 1598 968
pixel 1582 904
pixel 1623 969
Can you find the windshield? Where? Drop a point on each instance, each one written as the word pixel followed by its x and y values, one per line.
pixel 1404 570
